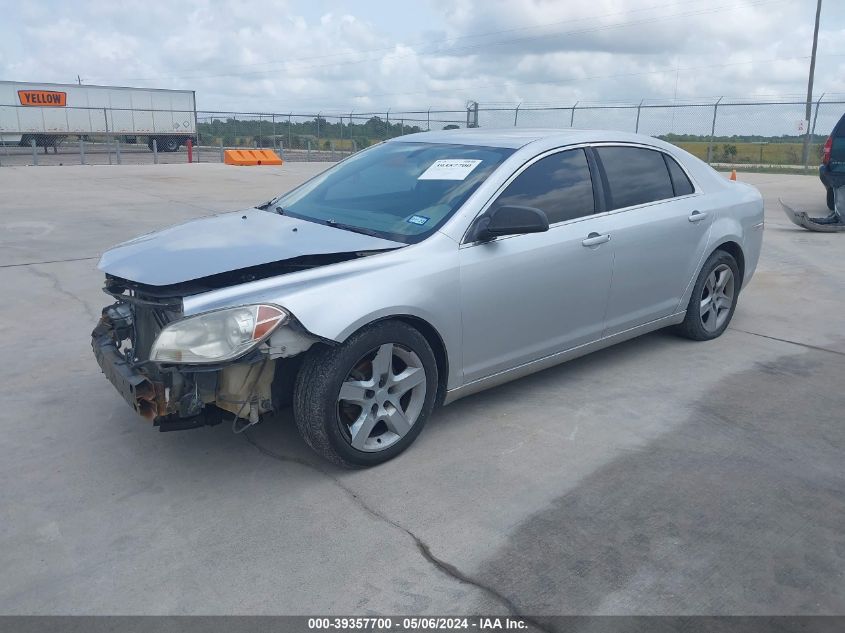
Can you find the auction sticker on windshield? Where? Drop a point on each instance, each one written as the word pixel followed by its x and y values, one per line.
pixel 450 169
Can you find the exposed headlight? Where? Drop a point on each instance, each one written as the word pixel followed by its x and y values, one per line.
pixel 217 336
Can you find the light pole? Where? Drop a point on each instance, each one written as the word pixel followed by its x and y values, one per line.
pixel 808 111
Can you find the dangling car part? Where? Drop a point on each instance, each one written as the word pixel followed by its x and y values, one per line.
pixel 831 223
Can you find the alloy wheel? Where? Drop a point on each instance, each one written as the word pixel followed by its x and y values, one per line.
pixel 717 298
pixel 381 398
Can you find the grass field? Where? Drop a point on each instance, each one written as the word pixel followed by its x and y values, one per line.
pixel 754 153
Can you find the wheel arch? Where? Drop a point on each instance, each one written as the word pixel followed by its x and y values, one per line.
pixel 728 244
pixel 434 339
pixel 733 249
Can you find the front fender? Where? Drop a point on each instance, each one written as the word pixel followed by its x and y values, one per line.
pixel 333 301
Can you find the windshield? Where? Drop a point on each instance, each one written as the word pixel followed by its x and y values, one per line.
pixel 398 191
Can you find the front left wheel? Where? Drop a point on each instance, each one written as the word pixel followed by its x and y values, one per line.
pixel 365 401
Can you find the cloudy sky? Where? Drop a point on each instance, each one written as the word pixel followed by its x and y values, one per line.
pixel 327 55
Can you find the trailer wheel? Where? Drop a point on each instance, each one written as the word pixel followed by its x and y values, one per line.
pixel 170 144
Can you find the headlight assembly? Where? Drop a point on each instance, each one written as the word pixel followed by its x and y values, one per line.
pixel 217 336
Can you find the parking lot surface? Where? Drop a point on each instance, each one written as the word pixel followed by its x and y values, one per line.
pixel 660 476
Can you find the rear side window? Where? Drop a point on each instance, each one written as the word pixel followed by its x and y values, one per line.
pixel 559 185
pixel 680 182
pixel 635 176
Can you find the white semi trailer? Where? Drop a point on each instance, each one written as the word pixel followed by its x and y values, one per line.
pixel 48 113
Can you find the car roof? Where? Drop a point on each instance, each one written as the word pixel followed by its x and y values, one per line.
pixel 515 138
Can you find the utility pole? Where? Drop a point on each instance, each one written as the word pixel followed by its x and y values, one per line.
pixel 809 109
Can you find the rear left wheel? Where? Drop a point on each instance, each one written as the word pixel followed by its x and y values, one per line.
pixel 713 299
pixel 364 402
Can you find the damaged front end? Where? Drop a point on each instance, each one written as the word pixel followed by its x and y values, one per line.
pixel 187 372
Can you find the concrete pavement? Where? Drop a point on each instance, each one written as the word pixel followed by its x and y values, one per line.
pixel 659 476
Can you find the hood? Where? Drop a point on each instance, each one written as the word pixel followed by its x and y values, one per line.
pixel 227 242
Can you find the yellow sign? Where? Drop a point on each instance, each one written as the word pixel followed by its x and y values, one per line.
pixel 43 98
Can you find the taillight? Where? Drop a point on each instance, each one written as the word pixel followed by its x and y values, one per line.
pixel 828 144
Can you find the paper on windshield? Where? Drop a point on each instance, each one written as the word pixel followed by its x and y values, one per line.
pixel 450 169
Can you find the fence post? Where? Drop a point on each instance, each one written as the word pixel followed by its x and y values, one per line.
pixel 117 149
pixel 308 154
pixel 155 151
pixel 81 152
pixel 34 153
pixel 354 146
pixel 637 126
pixel 516 114
pixel 190 147
pixel 572 116
pixel 387 124
pixel 712 131
pixel 108 145
pixel 221 151
pixel 815 118
pixel 289 124
pixel 428 120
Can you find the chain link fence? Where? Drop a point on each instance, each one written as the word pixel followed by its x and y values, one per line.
pixel 729 133
pixel 723 132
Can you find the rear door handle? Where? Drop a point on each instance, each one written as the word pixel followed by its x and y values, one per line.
pixel 696 216
pixel 594 239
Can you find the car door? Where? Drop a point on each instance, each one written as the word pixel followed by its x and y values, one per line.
pixel 660 230
pixel 524 297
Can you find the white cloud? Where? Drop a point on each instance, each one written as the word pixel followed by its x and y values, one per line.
pixel 323 55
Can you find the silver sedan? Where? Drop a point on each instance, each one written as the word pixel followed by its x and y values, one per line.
pixel 418 271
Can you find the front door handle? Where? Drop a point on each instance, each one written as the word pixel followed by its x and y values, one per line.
pixel 696 216
pixel 594 239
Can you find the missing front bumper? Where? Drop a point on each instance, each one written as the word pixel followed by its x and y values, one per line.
pixel 147 397
pixel 142 394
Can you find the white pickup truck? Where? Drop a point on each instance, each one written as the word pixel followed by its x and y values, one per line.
pixel 48 113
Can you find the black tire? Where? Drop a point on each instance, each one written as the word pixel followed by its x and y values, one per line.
pixel 830 199
pixel 318 383
pixel 692 326
pixel 170 144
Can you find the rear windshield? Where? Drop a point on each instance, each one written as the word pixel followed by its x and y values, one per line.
pixel 398 191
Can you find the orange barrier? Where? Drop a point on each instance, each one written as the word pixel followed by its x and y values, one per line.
pixel 733 175
pixel 251 157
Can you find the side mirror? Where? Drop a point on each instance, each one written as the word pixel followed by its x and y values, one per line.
pixel 510 220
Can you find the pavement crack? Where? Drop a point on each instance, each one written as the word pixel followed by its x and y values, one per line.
pixel 784 340
pixel 57 286
pixel 49 261
pixel 423 548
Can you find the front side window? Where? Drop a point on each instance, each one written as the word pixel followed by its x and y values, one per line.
pixel 398 191
pixel 559 185
pixel 635 176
